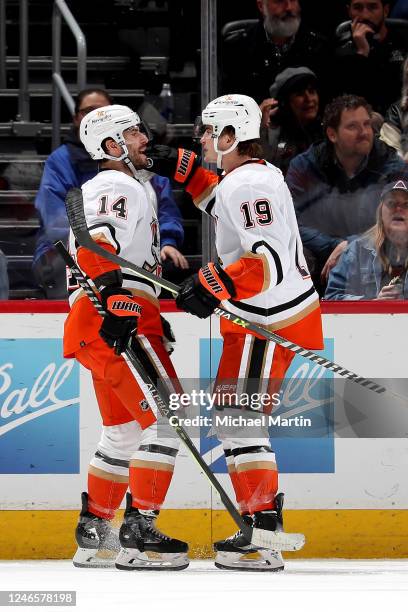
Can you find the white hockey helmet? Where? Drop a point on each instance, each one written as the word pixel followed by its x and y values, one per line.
pixel 108 122
pixel 239 111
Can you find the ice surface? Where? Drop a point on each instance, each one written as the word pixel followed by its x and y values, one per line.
pixel 315 585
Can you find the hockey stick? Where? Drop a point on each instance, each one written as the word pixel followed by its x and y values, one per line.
pixel 76 216
pixel 275 540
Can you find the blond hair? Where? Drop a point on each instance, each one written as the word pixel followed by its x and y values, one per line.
pixel 377 236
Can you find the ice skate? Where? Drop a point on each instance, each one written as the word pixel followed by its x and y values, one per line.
pixel 236 552
pixel 98 543
pixel 144 546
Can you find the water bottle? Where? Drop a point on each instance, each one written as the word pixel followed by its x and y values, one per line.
pixel 167 103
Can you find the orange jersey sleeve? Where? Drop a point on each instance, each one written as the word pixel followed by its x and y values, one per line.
pixel 201 185
pixel 95 265
pixel 250 275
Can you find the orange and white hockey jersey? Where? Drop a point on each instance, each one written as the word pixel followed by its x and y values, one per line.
pixel 259 246
pixel 119 214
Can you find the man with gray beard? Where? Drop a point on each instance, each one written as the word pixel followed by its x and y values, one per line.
pixel 254 55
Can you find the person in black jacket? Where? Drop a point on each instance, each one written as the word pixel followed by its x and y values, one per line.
pixel 369 61
pixel 290 117
pixel 252 60
pixel 391 129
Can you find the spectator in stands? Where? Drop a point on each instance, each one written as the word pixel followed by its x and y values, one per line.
pixel 70 166
pixel 336 183
pixel 394 131
pixel 375 266
pixel 290 117
pixel 4 281
pixel 391 129
pixel 369 60
pixel 256 55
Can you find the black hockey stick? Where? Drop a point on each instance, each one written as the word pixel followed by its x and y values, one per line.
pixel 76 216
pixel 275 540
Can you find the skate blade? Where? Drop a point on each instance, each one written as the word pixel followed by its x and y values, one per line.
pixel 266 561
pixel 93 558
pixel 134 559
pixel 277 540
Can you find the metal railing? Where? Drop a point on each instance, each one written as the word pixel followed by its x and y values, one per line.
pixel 59 88
pixel 3 79
pixel 23 94
pixel 208 92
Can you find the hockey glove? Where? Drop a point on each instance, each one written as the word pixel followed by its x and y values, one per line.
pixel 168 335
pixel 203 292
pixel 120 321
pixel 178 164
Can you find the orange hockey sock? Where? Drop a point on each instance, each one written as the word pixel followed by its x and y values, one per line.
pixel 259 487
pixel 149 485
pixel 239 491
pixel 105 493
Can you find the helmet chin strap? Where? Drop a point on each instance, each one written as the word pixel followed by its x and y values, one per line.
pixel 220 154
pixel 130 165
pixel 140 175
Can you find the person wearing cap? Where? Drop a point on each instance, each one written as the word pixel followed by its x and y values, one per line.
pixel 375 265
pixel 290 117
pixel 336 183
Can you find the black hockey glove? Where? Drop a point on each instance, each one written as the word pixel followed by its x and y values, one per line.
pixel 168 336
pixel 120 321
pixel 178 164
pixel 203 292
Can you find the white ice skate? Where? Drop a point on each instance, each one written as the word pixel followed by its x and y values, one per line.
pixel 237 553
pixel 98 543
pixel 144 547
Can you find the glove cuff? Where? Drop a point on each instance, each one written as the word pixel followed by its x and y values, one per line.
pixel 112 290
pixel 120 302
pixel 216 281
pixel 186 163
pixel 123 306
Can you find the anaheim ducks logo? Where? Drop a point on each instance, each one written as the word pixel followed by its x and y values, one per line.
pixel 227 100
pixel 156 267
pixel 100 116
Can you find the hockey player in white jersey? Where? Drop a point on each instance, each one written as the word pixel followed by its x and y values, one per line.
pixel 121 219
pixel 262 276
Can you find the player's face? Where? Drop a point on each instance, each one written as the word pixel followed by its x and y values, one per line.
pixel 136 142
pixel 305 104
pixel 371 12
pixel 207 143
pixel 355 135
pixel 394 213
